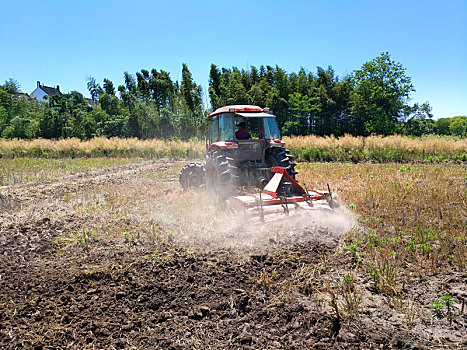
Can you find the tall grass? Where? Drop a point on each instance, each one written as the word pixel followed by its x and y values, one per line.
pixel 379 149
pixel 101 146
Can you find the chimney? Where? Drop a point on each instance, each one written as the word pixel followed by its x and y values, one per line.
pixel 58 88
pixel 38 84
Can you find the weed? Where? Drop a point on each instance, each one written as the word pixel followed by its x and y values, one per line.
pixel 437 307
pixel 374 240
pixel 426 249
pixel 265 280
pixel 354 250
pixel 375 277
pixel 84 239
pixel 170 235
pixel 448 300
pixel 332 301
pixel 405 168
pixel 351 295
pixel 347 289
pixel 129 237
pixel 81 238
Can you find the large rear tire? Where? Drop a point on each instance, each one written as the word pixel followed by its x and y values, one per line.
pixel 192 176
pixel 221 175
pixel 279 156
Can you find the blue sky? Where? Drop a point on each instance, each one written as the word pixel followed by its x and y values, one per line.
pixel 63 42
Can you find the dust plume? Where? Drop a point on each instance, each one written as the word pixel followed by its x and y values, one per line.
pixel 214 228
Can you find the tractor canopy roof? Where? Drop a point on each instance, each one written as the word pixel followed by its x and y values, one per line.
pixel 238 109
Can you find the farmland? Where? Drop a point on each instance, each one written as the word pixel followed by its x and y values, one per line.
pixel 110 252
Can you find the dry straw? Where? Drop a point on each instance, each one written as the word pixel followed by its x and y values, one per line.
pixel 305 148
pixel 377 148
pixel 101 146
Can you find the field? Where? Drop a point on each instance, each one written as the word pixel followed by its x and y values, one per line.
pixel 111 253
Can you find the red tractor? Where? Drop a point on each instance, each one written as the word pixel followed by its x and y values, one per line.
pixel 245 152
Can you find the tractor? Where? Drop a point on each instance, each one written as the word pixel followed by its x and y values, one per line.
pixel 247 165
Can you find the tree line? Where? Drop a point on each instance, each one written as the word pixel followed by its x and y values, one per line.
pixel 148 105
pixel 372 100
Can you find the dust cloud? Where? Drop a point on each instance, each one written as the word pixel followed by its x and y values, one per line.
pixel 211 228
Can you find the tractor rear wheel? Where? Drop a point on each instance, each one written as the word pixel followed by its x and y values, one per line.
pixel 279 156
pixel 192 176
pixel 221 175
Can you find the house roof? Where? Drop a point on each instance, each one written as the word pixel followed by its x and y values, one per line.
pixel 50 90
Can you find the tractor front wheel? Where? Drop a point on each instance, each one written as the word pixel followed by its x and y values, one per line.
pixel 192 176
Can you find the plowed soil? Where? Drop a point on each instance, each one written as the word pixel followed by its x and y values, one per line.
pixel 119 258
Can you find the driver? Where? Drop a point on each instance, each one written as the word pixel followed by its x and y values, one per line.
pixel 241 133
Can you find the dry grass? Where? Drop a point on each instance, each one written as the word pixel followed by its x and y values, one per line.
pixel 412 215
pixel 101 146
pixel 394 148
pixel 306 148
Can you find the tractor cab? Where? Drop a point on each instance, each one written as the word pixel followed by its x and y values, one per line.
pixel 258 125
pixel 249 130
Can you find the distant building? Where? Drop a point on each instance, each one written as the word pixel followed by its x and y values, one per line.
pixel 91 102
pixel 16 97
pixel 43 92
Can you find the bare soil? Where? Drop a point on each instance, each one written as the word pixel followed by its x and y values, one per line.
pixel 61 286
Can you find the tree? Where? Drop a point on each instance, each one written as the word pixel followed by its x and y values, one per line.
pixel 109 87
pixel 301 107
pixel 192 123
pixel 94 88
pixel 379 96
pixel 441 126
pixel 214 86
pixel 458 126
pixel 12 86
pixel 130 83
pixel 143 85
pixel 238 93
pixel 420 122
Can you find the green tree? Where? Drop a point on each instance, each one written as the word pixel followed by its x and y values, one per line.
pixel 458 126
pixel 420 122
pixel 12 86
pixel 193 118
pixel 162 89
pixel 214 86
pixel 94 88
pixel 379 96
pixel 109 87
pixel 238 93
pixel 441 126
pixel 301 107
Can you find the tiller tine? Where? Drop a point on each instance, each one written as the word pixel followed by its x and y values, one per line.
pixel 281 197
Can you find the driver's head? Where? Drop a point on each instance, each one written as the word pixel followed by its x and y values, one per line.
pixel 241 125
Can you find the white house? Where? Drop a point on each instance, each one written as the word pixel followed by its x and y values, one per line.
pixel 43 92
